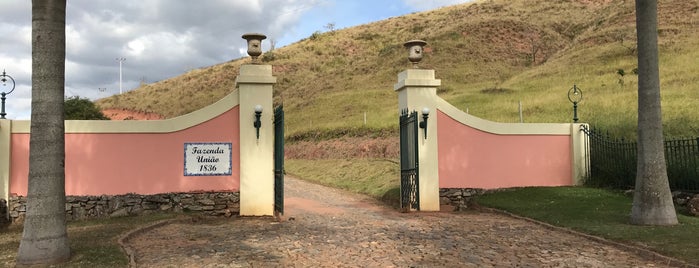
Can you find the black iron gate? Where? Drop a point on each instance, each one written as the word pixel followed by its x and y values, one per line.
pixel 279 160
pixel 611 162
pixel 409 178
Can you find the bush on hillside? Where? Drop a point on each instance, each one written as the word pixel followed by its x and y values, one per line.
pixel 76 108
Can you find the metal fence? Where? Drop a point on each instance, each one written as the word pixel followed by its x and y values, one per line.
pixel 611 162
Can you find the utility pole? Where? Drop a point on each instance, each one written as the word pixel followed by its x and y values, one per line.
pixel 120 60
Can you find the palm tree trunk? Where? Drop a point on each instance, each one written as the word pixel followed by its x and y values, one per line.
pixel 44 240
pixel 652 202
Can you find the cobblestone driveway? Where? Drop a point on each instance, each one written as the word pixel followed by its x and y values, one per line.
pixel 325 227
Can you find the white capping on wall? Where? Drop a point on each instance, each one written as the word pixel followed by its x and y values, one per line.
pixel 149 126
pixel 501 128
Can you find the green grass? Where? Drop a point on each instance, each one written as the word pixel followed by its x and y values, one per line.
pixel 379 178
pixel 598 212
pixel 93 243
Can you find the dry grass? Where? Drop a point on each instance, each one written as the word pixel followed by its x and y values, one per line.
pixel 328 81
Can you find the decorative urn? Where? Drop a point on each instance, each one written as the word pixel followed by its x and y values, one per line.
pixel 254 44
pixel 415 50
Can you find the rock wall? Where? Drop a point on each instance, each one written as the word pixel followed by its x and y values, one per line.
pixel 87 207
pixel 457 199
pixel 688 200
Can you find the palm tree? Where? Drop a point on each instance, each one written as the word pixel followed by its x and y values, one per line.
pixel 652 201
pixel 44 240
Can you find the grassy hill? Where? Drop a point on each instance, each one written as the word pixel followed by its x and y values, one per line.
pixel 490 56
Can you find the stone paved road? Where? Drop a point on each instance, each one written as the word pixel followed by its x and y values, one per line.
pixel 325 227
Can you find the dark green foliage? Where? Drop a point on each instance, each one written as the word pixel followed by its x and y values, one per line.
pixel 613 162
pixel 417 29
pixel 496 90
pixel 77 108
pixel 390 50
pixel 328 134
pixel 268 56
pixel 621 72
pixel 368 36
pixel 315 35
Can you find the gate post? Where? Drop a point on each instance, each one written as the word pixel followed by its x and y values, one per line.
pixel 417 89
pixel 5 160
pixel 255 84
pixel 580 152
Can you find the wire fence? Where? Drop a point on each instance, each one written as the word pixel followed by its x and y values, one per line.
pixel 611 162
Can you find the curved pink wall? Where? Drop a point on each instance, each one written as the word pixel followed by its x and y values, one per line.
pixel 142 163
pixel 470 158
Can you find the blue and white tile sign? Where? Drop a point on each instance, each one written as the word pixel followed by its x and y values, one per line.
pixel 207 159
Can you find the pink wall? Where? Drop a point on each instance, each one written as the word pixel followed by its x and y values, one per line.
pixel 142 163
pixel 471 158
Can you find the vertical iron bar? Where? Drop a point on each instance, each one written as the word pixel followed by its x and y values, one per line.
pixel 695 155
pixel 687 160
pixel 669 159
pixel 279 159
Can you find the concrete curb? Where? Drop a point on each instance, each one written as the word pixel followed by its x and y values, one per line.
pixel 644 252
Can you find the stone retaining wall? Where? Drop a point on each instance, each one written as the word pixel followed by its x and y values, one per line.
pixel 690 201
pixel 86 207
pixel 458 199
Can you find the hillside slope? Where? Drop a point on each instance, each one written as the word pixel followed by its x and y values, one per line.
pixel 489 54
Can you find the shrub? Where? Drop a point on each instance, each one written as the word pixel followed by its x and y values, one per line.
pixel 268 56
pixel 315 35
pixel 76 108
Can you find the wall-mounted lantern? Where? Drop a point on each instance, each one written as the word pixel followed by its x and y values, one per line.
pixel 257 124
pixel 423 124
pixel 4 78
pixel 415 51
pixel 575 96
pixel 254 44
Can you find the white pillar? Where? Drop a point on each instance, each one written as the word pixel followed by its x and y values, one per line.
pixel 579 143
pixel 5 160
pixel 255 84
pixel 417 89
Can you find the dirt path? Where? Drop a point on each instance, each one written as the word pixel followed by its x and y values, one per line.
pixel 325 227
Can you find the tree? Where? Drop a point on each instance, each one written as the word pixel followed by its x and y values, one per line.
pixel 44 240
pixel 652 201
pixel 76 108
pixel 272 44
pixel 330 26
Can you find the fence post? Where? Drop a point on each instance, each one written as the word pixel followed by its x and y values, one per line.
pixel 417 89
pixel 5 160
pixel 580 153
pixel 255 84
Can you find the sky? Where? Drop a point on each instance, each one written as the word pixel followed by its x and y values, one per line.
pixel 159 39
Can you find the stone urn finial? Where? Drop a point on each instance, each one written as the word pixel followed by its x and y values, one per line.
pixel 254 44
pixel 415 51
